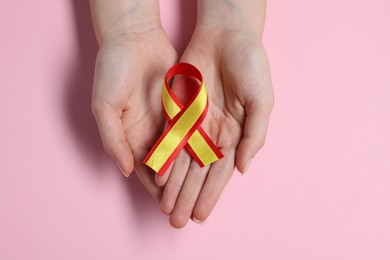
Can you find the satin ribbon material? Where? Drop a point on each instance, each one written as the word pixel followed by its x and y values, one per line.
pixel 184 128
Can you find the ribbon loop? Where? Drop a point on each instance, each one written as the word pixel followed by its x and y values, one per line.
pixel 184 128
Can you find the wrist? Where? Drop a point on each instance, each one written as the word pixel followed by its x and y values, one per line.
pixel 232 15
pixel 117 19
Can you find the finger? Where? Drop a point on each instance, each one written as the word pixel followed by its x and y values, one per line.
pixel 255 132
pixel 175 182
pixel 113 137
pixel 188 196
pixel 146 175
pixel 219 175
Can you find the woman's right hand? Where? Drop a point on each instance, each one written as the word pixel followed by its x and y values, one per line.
pixel 126 99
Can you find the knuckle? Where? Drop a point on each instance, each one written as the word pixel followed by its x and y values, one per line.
pixel 99 107
pixel 96 108
pixel 187 198
pixel 197 172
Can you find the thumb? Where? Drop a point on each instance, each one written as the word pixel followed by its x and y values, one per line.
pixel 113 136
pixel 255 131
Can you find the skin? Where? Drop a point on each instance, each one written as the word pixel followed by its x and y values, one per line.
pixel 134 55
pixel 130 68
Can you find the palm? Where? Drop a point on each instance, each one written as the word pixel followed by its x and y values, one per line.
pixel 239 76
pixel 128 82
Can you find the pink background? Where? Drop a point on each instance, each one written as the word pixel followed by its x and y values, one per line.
pixel 320 188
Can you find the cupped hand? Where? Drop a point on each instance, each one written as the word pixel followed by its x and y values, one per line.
pixel 130 68
pixel 235 70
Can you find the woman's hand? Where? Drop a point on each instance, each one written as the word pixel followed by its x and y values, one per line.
pixel 236 73
pixel 132 61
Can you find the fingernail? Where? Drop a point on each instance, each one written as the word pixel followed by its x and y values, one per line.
pixel 120 168
pixel 248 164
pixel 197 221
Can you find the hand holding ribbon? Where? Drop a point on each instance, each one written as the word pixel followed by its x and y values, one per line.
pixel 235 68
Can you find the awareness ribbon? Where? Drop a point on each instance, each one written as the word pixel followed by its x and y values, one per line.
pixel 184 128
